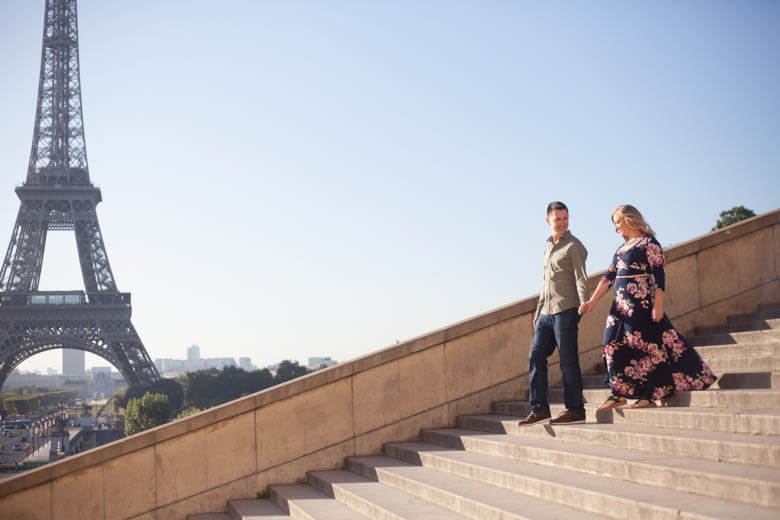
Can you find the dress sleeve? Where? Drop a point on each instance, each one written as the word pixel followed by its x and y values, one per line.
pixel 655 258
pixel 609 276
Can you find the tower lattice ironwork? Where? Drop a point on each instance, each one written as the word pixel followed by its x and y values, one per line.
pixel 58 195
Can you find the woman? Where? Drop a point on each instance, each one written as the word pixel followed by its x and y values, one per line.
pixel 646 358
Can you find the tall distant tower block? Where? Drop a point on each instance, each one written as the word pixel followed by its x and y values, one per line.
pixel 58 196
pixel 193 353
pixel 73 363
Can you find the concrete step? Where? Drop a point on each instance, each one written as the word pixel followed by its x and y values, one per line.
pixel 594 381
pixel 740 326
pixel 374 499
pixel 729 378
pixel 444 469
pixel 734 338
pixel 674 462
pixel 740 482
pixel 729 357
pixel 739 379
pixel 764 310
pixel 714 352
pixel 741 358
pixel 737 398
pixel 741 363
pixel 306 503
pixel 754 422
pixel 256 510
pixel 769 307
pixel 487 467
pixel 469 497
pixel 741 448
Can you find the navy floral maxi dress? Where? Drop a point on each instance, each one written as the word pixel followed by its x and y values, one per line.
pixel 646 359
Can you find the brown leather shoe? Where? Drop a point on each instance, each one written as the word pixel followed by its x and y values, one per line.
pixel 568 417
pixel 534 417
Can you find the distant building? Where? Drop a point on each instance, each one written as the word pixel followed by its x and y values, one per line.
pixel 17 379
pixel 102 382
pixel 78 385
pixel 173 367
pixel 193 353
pixel 100 372
pixel 245 363
pixel 317 362
pixel 51 371
pixel 218 362
pixel 96 381
pixel 72 362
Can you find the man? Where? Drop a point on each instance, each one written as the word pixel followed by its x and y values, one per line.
pixel 556 320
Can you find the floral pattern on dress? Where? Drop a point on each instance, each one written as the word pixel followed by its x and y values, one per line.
pixel 646 359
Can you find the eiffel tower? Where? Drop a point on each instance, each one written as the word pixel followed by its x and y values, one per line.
pixel 58 196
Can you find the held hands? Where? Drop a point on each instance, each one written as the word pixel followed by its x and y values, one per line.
pixel 657 313
pixel 585 308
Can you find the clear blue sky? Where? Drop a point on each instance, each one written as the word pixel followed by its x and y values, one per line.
pixel 284 179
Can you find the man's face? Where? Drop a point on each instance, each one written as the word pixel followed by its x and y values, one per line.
pixel 558 220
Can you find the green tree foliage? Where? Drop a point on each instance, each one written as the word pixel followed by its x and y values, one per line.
pixel 169 387
pixel 203 389
pixel 732 216
pixel 24 400
pixel 289 370
pixel 147 412
pixel 188 411
pixel 206 388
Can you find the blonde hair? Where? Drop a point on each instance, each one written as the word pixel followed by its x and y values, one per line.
pixel 633 219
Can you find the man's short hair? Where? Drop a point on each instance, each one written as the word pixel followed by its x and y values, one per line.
pixel 556 205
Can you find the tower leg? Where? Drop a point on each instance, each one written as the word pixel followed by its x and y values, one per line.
pixel 21 270
pixel 93 258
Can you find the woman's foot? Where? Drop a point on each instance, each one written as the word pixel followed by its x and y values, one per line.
pixel 643 403
pixel 613 401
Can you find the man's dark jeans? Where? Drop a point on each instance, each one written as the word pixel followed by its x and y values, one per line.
pixel 560 329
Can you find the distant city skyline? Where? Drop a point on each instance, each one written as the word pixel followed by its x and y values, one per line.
pixel 102 381
pixel 73 362
pixel 285 180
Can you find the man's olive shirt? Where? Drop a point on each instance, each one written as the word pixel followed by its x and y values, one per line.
pixel 563 286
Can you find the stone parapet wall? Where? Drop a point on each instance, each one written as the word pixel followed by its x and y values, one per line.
pixel 236 450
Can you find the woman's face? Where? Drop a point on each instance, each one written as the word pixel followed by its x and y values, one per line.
pixel 623 228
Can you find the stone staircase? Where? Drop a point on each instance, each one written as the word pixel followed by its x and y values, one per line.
pixel 710 454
